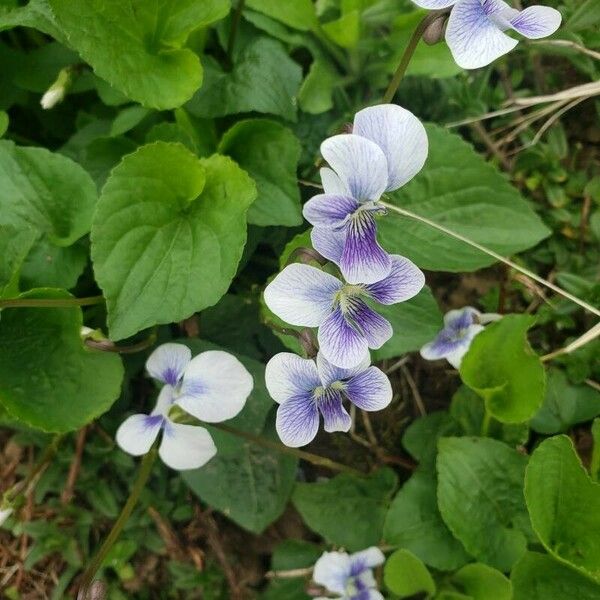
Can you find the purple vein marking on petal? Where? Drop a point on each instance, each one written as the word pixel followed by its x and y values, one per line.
pixel 297 420
pixel 373 326
pixel 357 567
pixel 151 421
pixel 335 417
pixel 171 376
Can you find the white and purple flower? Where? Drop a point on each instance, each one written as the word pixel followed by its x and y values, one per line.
pixel 386 149
pixel 306 296
pixel 305 387
pixel 475 31
pixel 460 328
pixel 349 575
pixel 212 387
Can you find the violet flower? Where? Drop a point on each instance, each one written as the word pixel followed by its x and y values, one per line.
pixel 306 296
pixel 475 30
pixel 386 149
pixel 349 575
pixel 305 387
pixel 212 386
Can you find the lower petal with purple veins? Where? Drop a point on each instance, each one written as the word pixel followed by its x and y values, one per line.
pixel 297 420
pixel 404 281
pixel 335 417
pixel 340 342
pixel 363 259
pixel 138 432
pixel 370 390
pixel 376 330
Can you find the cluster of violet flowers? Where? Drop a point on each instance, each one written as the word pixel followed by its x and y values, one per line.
pixel 387 147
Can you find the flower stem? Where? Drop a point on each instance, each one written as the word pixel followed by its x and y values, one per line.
pixel 50 302
pixel 315 459
pixel 493 254
pixel 485 424
pixel 115 532
pixel 408 53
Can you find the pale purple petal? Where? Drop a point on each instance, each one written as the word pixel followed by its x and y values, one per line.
pixel 289 375
pixel 138 432
pixel 404 281
pixel 461 318
pixel 434 4
pixel 473 37
pixel 369 558
pixel 329 242
pixel 363 259
pixel 340 343
pixel 302 295
pixel 536 22
pixel 370 390
pixel 167 362
pixel 335 416
pixel 359 163
pixel 330 373
pixel 297 420
pixel 215 386
pixel 328 210
pixel 332 184
pixel 400 135
pixel 332 571
pixel 455 356
pixel 376 330
pixel 186 447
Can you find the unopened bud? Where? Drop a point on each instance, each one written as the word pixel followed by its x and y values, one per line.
pixel 96 591
pixel 4 514
pixel 308 342
pixel 435 30
pixel 58 90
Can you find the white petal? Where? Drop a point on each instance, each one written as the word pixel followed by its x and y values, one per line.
pixel 332 571
pixel 455 357
pixel 186 446
pixel 302 295
pixel 359 163
pixel 370 558
pixel 400 135
pixel 434 4
pixel 164 402
pixel 329 242
pixel 332 184
pixel 215 387
pixel 330 373
pixel 466 314
pixel 474 39
pixel 138 432
pixel 288 375
pixel 168 362
pixel 536 22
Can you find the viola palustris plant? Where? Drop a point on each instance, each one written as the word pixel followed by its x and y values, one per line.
pixel 299 299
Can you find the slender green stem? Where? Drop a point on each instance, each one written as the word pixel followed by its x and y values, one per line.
pixel 50 302
pixel 495 255
pixel 108 346
pixel 315 459
pixel 40 466
pixel 235 22
pixel 485 424
pixel 408 53
pixel 95 564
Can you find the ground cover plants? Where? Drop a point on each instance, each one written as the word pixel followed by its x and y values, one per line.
pixel 299 299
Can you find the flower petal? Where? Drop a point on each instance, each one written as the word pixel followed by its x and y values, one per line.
pixel 460 318
pixel 335 416
pixel 369 558
pixel 330 373
pixel 297 420
pixel 359 163
pixel 186 446
pixel 164 402
pixel 329 242
pixel 373 326
pixel 329 210
pixel 400 135
pixel 340 343
pixel 168 362
pixel 332 184
pixel 332 571
pixel 405 281
pixel 215 387
pixel 302 295
pixel 457 354
pixel 289 375
pixel 536 22
pixel 138 432
pixel 363 259
pixel 434 4
pixel 473 37
pixel 370 390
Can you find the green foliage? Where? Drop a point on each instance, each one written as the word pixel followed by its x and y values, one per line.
pixel 162 216
pixel 564 504
pixel 513 382
pixel 62 391
pixel 480 496
pixel 347 510
pixel 459 190
pixel 405 575
pixel 477 581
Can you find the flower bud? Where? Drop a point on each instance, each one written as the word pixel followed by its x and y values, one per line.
pixel 4 514
pixel 435 30
pixel 58 90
